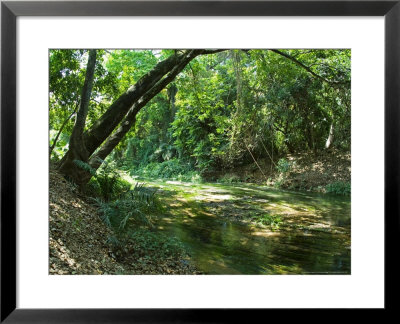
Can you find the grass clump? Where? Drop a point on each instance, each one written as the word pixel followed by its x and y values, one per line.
pixel 229 178
pixel 273 221
pixel 339 188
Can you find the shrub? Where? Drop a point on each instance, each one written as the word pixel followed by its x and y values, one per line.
pixel 283 165
pixel 229 178
pixel 339 188
pixel 173 169
pixel 279 183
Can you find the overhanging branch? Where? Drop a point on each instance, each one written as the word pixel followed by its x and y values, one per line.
pixel 308 69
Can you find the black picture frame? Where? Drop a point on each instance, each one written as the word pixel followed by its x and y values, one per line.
pixel 10 10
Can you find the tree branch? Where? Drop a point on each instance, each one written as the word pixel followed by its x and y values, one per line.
pixel 129 120
pixel 61 128
pixel 308 68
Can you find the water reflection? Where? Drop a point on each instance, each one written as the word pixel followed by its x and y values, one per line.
pixel 316 239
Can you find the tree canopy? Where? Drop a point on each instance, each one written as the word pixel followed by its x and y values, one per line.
pixel 203 109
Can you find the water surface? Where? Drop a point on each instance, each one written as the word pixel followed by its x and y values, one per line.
pixel 214 222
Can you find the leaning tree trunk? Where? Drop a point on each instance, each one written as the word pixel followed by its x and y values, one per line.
pixel 106 124
pixel 123 113
pixel 97 159
pixel 77 148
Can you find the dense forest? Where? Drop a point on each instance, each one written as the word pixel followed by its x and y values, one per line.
pixel 131 131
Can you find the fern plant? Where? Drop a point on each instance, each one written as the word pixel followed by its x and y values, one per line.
pixel 106 182
pixel 85 166
pixel 130 211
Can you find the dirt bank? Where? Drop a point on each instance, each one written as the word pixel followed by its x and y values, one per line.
pixel 78 240
pixel 305 171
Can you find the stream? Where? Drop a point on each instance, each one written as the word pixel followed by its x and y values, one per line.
pixel 218 225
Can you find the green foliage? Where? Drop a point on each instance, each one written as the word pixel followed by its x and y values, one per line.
pixel 156 246
pixel 129 65
pixel 130 220
pixel 229 178
pixel 218 112
pixel 110 184
pixel 173 169
pixel 273 221
pixel 85 166
pixel 107 187
pixel 283 166
pixel 150 251
pixel 132 209
pixel 279 183
pixel 204 104
pixel 62 145
pixel 106 182
pixel 120 214
pixel 222 111
pixel 66 78
pixel 339 188
pixel 164 152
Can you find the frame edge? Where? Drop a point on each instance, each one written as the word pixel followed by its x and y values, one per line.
pixel 392 147
pixel 8 164
pixel 8 161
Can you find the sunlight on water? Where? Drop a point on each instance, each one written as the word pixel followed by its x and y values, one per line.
pixel 214 222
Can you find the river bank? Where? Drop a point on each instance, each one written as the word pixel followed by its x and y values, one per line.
pixel 305 171
pixel 80 242
pixel 229 228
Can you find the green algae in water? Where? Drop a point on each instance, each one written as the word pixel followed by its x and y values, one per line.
pixel 312 236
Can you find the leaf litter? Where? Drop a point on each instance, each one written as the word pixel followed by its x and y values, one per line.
pixel 78 240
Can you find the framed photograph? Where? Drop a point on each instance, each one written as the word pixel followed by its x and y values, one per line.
pixel 188 161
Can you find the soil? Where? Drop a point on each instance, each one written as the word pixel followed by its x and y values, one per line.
pixel 77 235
